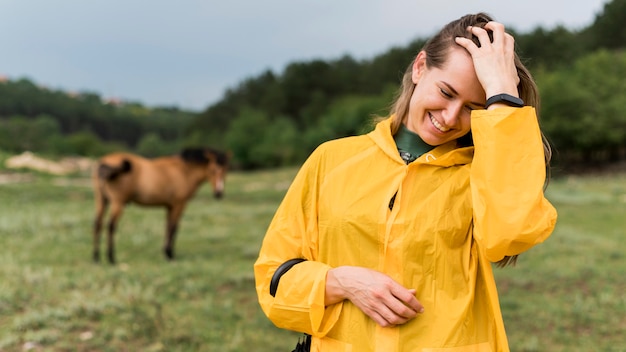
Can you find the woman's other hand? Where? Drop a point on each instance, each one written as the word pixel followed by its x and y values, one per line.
pixel 380 297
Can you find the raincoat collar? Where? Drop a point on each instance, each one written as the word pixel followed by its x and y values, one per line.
pixel 445 155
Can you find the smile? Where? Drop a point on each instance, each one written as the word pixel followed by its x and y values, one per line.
pixel 437 124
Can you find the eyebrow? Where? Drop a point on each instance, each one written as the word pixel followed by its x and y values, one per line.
pixel 457 93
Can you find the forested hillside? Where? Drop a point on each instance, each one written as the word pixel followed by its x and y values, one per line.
pixel 54 122
pixel 277 118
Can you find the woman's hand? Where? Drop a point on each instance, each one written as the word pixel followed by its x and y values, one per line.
pixel 380 297
pixel 494 62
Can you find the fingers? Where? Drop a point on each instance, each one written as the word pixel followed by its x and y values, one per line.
pixel 493 34
pixel 390 313
pixel 483 36
pixel 494 59
pixel 410 305
pixel 389 318
pixel 395 305
pixel 501 38
pixel 496 28
pixel 380 297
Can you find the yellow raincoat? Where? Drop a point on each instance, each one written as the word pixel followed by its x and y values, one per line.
pixel 456 211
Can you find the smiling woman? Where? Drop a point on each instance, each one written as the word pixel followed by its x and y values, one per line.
pixel 384 241
pixel 444 98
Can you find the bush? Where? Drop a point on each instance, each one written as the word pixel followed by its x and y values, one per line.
pixel 584 108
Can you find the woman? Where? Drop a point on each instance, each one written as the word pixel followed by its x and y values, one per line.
pixel 396 230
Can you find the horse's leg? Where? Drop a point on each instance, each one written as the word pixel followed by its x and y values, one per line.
pixel 116 213
pixel 174 213
pixel 101 206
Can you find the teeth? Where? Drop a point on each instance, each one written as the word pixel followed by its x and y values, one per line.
pixel 437 124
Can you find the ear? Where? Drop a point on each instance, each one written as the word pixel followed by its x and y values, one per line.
pixel 419 66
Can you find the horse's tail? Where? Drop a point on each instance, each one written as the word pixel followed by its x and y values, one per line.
pixel 110 173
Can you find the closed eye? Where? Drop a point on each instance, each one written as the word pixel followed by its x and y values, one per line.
pixel 451 93
pixel 450 96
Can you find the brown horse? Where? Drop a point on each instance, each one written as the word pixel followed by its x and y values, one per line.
pixel 170 181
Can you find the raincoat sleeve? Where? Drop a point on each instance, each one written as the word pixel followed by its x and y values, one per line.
pixel 511 213
pixel 299 301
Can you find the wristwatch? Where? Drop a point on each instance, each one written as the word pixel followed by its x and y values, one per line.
pixel 505 99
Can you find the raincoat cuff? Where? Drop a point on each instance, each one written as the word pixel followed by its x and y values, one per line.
pixel 299 303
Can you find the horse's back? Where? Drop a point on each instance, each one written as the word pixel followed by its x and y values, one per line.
pixel 117 175
pixel 157 181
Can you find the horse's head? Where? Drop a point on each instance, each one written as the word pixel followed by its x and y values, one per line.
pixel 216 166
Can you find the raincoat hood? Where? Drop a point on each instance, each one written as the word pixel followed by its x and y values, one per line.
pixel 444 155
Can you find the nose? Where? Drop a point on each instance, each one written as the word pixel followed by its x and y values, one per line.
pixel 452 113
pixel 218 190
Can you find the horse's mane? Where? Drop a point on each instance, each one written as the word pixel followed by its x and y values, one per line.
pixel 198 155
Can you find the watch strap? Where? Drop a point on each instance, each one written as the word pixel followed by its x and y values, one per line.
pixel 505 99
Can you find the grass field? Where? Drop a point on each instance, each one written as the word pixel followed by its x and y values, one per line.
pixel 568 294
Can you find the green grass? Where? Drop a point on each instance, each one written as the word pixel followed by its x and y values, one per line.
pixel 52 296
pixel 567 294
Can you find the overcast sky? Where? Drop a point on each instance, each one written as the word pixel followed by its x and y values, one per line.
pixel 187 52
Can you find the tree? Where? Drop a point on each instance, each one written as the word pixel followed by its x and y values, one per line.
pixel 151 145
pixel 19 134
pixel 584 110
pixel 608 30
pixel 549 48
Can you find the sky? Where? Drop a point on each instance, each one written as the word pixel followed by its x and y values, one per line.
pixel 187 53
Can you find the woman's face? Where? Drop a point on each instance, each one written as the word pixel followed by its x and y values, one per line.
pixel 443 98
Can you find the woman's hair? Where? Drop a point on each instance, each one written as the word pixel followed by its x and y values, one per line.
pixel 437 49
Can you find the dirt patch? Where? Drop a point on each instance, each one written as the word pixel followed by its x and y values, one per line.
pixel 65 166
